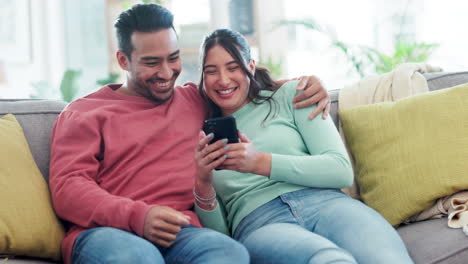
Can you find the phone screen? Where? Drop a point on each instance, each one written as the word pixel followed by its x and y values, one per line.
pixel 222 127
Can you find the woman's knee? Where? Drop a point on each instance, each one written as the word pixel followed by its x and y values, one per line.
pixel 348 221
pixel 332 255
pixel 291 243
pixel 219 246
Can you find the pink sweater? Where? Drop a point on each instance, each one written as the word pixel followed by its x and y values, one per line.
pixel 113 156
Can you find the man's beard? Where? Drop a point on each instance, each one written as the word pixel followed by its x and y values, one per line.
pixel 159 100
pixel 146 91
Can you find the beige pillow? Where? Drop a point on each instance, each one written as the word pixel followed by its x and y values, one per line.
pixel 28 225
pixel 410 152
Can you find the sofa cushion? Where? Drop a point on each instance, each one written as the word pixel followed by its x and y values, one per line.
pixel 410 152
pixel 435 81
pixel 440 80
pixel 433 241
pixel 28 225
pixel 36 118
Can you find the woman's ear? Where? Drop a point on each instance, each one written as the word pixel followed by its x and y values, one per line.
pixel 252 66
pixel 122 59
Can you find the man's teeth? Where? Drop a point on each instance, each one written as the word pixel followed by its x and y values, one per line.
pixel 161 84
pixel 225 91
pixel 164 84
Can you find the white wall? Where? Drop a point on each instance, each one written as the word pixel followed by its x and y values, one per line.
pixel 86 43
pixel 46 61
pixel 73 34
pixel 369 22
pixel 64 34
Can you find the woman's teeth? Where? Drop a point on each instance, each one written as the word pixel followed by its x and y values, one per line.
pixel 226 91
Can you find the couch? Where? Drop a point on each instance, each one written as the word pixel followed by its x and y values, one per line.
pixel 429 241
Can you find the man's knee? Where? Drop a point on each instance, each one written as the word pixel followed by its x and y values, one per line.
pixel 111 245
pixel 134 254
pixel 237 251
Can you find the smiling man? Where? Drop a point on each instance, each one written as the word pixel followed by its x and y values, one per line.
pixel 152 66
pixel 122 158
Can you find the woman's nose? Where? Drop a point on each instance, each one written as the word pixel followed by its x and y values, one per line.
pixel 224 79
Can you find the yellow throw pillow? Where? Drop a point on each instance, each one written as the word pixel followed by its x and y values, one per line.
pixel 410 152
pixel 28 225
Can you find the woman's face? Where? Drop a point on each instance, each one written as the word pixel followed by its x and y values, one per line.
pixel 224 81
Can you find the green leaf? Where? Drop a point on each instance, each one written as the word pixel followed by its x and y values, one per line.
pixel 69 85
pixel 363 58
pixel 110 78
pixel 275 68
pixel 41 90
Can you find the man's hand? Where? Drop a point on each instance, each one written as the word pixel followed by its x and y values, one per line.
pixel 313 92
pixel 162 224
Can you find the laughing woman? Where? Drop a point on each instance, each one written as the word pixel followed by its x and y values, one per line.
pixel 278 190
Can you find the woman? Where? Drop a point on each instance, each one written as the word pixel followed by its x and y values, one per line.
pixel 279 188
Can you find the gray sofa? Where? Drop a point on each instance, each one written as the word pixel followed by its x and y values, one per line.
pixel 428 242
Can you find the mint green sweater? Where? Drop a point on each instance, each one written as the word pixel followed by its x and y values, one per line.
pixel 305 153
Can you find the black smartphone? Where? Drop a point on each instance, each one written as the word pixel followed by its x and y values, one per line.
pixel 222 127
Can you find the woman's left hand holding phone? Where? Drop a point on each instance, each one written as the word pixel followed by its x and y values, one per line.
pixel 243 157
pixel 207 158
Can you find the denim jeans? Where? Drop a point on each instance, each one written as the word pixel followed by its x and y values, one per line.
pixel 319 226
pixel 192 245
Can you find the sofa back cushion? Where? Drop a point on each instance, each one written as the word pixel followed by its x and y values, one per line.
pixel 36 118
pixel 441 80
pixel 435 81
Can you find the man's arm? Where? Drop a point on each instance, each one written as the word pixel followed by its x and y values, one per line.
pixel 313 93
pixel 78 197
pixel 75 152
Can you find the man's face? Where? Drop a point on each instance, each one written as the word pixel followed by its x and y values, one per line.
pixel 155 64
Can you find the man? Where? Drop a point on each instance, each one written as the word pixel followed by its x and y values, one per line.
pixel 122 159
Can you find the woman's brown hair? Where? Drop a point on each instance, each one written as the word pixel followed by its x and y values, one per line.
pixel 236 45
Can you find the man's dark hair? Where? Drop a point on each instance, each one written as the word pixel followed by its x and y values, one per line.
pixel 141 18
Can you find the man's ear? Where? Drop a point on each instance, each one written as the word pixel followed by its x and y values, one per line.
pixel 122 59
pixel 252 66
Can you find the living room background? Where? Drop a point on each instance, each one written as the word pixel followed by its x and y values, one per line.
pixel 43 41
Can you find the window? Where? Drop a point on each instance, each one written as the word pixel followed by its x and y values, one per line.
pixel 373 24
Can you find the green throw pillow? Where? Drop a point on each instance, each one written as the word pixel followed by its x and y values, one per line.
pixel 410 152
pixel 28 225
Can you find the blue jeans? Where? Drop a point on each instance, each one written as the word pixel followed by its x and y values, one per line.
pixel 192 245
pixel 319 226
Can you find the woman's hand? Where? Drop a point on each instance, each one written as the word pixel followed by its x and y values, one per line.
pixel 209 157
pixel 243 157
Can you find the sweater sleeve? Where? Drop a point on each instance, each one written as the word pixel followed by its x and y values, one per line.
pixel 328 164
pixel 77 197
pixel 214 219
